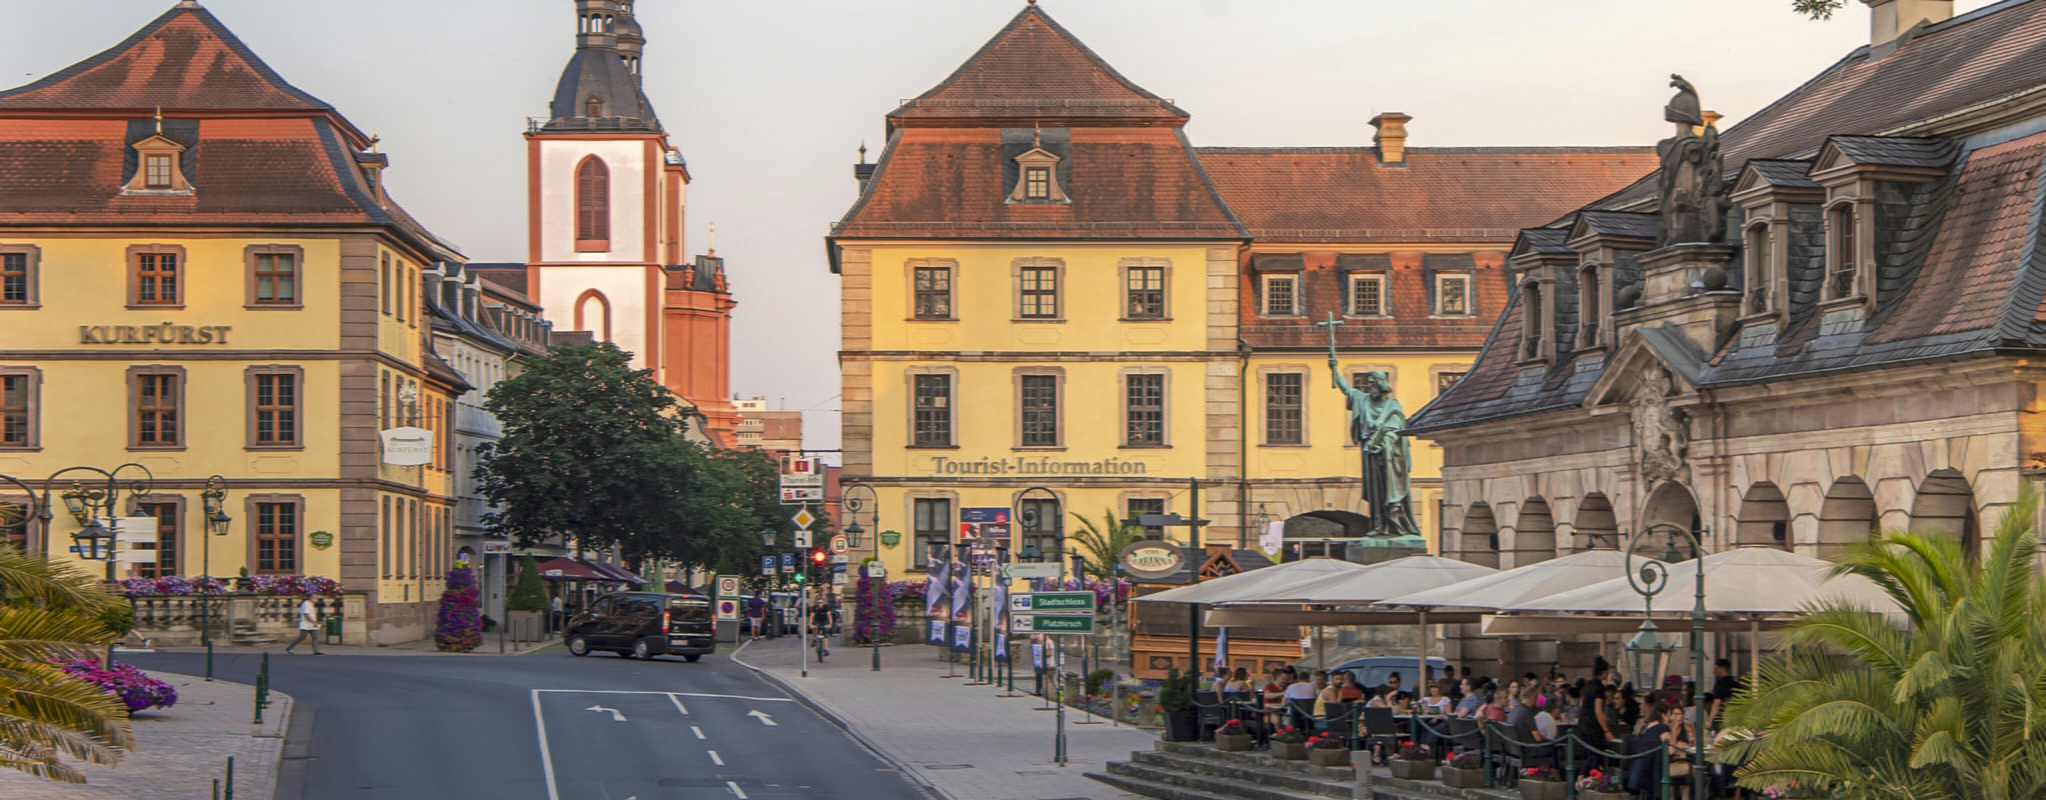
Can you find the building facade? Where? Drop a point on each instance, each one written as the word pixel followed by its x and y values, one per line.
pixel 1856 349
pixel 200 273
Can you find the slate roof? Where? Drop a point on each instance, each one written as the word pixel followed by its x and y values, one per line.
pixel 1786 173
pixel 184 60
pixel 1545 241
pixel 1034 70
pixel 1621 223
pixel 1894 151
pixel 1318 195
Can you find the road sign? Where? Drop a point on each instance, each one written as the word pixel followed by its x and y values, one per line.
pixel 798 495
pixel 1050 623
pixel 767 563
pixel 802 538
pixel 841 558
pixel 728 608
pixel 1054 602
pixel 876 570
pixel 838 545
pixel 803 472
pixel 728 586
pixel 1025 571
pixel 804 518
pixel 838 578
pixel 788 562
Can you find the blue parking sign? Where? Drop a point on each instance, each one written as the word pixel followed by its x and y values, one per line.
pixel 788 559
pixel 767 563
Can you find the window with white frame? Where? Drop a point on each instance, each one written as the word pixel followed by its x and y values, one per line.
pixel 1282 295
pixel 1367 295
pixel 1453 295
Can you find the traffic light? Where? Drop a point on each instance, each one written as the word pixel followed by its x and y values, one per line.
pixel 818 557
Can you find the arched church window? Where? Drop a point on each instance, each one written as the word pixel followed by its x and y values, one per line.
pixel 592 206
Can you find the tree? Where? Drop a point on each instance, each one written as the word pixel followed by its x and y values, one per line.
pixel 1103 545
pixel 1817 9
pixel 1943 704
pixel 527 594
pixel 590 449
pixel 50 611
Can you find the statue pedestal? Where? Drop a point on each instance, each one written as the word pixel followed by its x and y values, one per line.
pixel 1686 285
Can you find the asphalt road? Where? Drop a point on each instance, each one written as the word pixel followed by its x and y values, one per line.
pixel 550 726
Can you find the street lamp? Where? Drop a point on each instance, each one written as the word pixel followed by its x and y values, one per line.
pixel 1028 515
pixel 767 536
pixel 853 506
pixel 214 500
pixel 1650 652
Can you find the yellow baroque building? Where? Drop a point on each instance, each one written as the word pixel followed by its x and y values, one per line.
pixel 201 274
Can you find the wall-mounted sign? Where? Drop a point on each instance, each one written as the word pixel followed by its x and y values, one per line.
pixel 408 447
pixel 324 540
pixel 1147 560
pixel 983 523
pixel 1037 465
pixel 496 547
pixel 891 538
pixel 153 334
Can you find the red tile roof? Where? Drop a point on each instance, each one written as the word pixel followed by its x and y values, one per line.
pixel 1343 195
pixel 185 60
pixel 1141 183
pixel 1033 70
pixel 1967 278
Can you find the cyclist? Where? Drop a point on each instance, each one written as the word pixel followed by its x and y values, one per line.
pixel 820 626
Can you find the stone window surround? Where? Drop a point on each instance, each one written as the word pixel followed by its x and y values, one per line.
pixel 950 530
pixel 250 301
pixel 35 263
pixel 1841 202
pixel 1350 281
pixel 297 374
pixel 182 281
pixel 1165 395
pixel 1058 266
pixel 1306 371
pixel 1264 296
pixel 135 412
pixel 1436 371
pixel 1058 376
pixel 951 268
pixel 384 288
pixel 1061 530
pixel 178 546
pixel 249 510
pixel 1542 329
pixel 1469 302
pixel 1122 503
pixel 1593 292
pixel 1123 269
pixel 951 406
pixel 1772 231
pixel 35 407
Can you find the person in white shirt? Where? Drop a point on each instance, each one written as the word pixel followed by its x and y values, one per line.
pixel 308 625
pixel 1545 722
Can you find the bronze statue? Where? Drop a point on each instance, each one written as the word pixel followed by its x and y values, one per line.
pixel 1691 183
pixel 1379 425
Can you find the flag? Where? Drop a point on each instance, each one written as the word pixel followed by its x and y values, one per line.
pixel 1273 539
pixel 962 599
pixel 1001 621
pixel 938 571
pixel 1221 649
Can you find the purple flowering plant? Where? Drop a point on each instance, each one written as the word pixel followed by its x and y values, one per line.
pixel 460 627
pixel 175 586
pixel 133 686
pixel 875 601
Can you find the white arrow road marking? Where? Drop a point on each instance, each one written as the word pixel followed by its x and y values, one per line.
pixel 714 758
pixel 615 716
pixel 736 790
pixel 696 730
pixel 764 719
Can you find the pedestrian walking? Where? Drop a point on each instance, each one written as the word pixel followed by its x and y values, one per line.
pixel 554 617
pixel 308 625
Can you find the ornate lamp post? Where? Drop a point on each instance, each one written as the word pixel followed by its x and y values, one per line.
pixel 854 505
pixel 1027 516
pixel 214 500
pixel 88 502
pixel 1650 653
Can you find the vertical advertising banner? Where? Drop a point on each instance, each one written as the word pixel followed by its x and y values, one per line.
pixel 938 572
pixel 1000 623
pixel 962 605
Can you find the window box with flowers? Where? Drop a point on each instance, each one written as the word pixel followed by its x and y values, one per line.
pixel 1464 771
pixel 1598 784
pixel 1328 750
pixel 1289 744
pixel 1413 763
pixel 1233 737
pixel 1543 783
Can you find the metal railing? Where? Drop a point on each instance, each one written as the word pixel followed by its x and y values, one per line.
pixel 262 688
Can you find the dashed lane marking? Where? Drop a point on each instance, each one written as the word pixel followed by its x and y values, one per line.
pixel 696 730
pixel 736 790
pixel 714 758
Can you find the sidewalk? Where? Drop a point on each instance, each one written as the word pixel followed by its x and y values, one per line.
pixel 416 647
pixel 964 742
pixel 181 750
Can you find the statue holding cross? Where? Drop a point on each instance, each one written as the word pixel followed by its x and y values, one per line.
pixel 1378 424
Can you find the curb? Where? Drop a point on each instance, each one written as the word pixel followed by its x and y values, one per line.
pixel 907 771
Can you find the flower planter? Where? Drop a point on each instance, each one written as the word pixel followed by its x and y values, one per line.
pixel 1406 770
pixel 1329 757
pixel 1455 778
pixel 1232 742
pixel 1289 751
pixel 1583 794
pixel 1183 726
pixel 1543 790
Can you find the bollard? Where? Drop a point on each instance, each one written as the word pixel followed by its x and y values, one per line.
pixel 209 661
pixel 1360 762
pixel 262 698
pixel 230 778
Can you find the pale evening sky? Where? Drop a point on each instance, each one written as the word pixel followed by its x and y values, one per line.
pixel 769 99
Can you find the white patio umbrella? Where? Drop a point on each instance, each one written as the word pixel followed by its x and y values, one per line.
pixel 1371 585
pixel 1257 584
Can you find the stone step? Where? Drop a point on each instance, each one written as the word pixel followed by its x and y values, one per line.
pixel 1257 759
pixel 1252 787
pixel 1170 791
pixel 1244 774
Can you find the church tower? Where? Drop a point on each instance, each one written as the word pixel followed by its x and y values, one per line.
pixel 605 198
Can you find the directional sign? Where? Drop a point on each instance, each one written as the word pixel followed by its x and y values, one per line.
pixel 838 545
pixel 1024 571
pixel 839 578
pixel 797 495
pixel 1050 623
pixel 876 570
pixel 803 539
pixel 1054 602
pixel 803 517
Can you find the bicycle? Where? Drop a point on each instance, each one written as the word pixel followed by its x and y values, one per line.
pixel 817 641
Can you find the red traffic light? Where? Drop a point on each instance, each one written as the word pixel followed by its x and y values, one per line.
pixel 818 556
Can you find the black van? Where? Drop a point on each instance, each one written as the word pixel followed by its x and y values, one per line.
pixel 644 625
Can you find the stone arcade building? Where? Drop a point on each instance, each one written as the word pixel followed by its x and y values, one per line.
pixel 1856 350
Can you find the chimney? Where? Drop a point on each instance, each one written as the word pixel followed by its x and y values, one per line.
pixel 1711 118
pixel 1891 22
pixel 1391 137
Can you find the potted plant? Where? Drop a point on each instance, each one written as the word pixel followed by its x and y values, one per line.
pixel 1413 763
pixel 1175 700
pixel 1599 784
pixel 1232 737
pixel 1289 744
pixel 244 583
pixel 528 599
pixel 1463 771
pixel 1328 750
pixel 1542 783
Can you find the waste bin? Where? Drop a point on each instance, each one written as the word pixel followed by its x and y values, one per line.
pixel 333 628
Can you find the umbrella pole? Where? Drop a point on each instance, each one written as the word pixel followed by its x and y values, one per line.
pixel 1320 654
pixel 1422 677
pixel 1754 650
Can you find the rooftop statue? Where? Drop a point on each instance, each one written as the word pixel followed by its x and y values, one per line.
pixel 1691 183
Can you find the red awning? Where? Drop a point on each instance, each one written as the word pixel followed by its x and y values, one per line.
pixel 563 569
pixel 618 573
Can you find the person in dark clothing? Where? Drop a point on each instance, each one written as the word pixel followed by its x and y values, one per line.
pixel 1724 685
pixel 1630 708
pixel 1596 714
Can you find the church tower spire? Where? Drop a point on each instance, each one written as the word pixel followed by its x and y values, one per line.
pixel 599 89
pixel 630 40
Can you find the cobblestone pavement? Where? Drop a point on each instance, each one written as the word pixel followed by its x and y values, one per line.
pixel 963 742
pixel 181 750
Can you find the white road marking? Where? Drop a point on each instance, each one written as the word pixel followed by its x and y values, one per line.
pixel 678 704
pixel 615 715
pixel 696 730
pixel 678 694
pixel 714 758
pixel 764 719
pixel 546 758
pixel 736 790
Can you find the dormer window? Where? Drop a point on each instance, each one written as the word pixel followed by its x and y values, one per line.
pixel 157 166
pixel 1842 258
pixel 1452 295
pixel 1037 177
pixel 1281 296
pixel 1037 183
pixel 1533 321
pixel 1590 308
pixel 157 172
pixel 1761 272
pixel 594 107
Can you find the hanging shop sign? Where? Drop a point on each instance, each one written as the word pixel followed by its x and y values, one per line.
pixel 408 447
pixel 1148 560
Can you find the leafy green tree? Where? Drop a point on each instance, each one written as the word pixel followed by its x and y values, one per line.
pixel 527 594
pixel 1103 544
pixel 1817 9
pixel 591 448
pixel 50 611
pixel 1943 703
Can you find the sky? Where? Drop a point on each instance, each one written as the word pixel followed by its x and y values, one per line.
pixel 769 100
